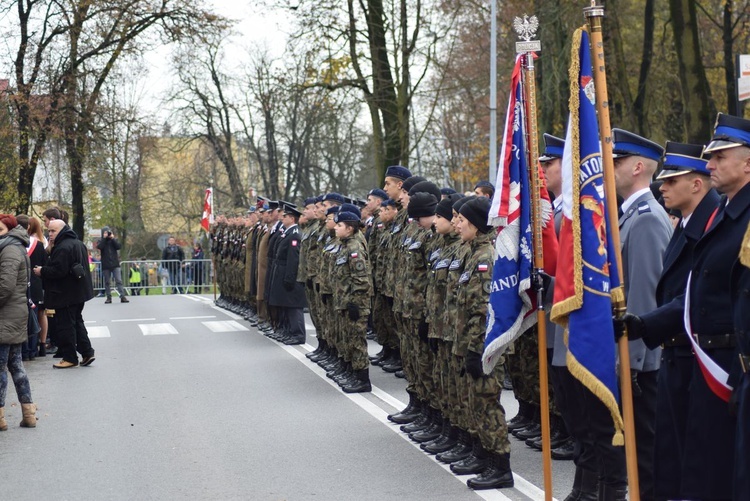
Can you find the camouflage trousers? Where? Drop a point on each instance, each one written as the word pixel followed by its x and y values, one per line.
pixel 487 414
pixel 523 367
pixel 424 363
pixel 314 307
pixel 354 339
pixel 406 345
pixel 440 376
pixel 384 328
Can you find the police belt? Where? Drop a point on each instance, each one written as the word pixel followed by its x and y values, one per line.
pixel 706 342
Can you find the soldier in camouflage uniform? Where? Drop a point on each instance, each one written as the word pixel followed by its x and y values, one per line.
pixel 352 297
pixel 382 315
pixel 472 295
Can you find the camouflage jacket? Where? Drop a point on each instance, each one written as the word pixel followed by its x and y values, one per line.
pixel 327 263
pixel 317 246
pixel 441 255
pixel 352 279
pixel 472 296
pixel 417 274
pixel 458 256
pixel 304 243
pixel 401 254
pixel 380 259
pixel 390 249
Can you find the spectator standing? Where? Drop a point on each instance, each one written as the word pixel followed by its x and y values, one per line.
pixel 67 286
pixel 173 256
pixel 198 257
pixel 37 257
pixel 14 313
pixel 108 247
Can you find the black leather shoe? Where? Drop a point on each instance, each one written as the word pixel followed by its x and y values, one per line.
pixel 497 475
pixel 292 341
pixel 565 452
pixel 556 439
pixel 400 374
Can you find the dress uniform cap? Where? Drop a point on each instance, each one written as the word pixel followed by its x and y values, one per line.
pixel 729 132
pixel 252 209
pixel 447 191
pixel 360 203
pixel 422 204
pixel 377 192
pixel 476 211
pixel 291 209
pixel 348 200
pixel 333 197
pixel 628 144
pixel 343 216
pixel 398 172
pixel 445 206
pixel 553 148
pixel 273 204
pixel 351 208
pixel 682 158
pixel 426 187
pixel 409 183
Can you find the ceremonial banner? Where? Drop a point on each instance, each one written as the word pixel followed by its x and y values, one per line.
pixel 208 210
pixel 586 280
pixel 512 301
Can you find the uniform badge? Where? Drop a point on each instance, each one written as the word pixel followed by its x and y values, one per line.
pixel 442 264
pixel 355 254
pixel 407 241
pixel 396 228
pixel 294 243
pixel 434 255
pixel 415 245
pixel 464 277
pixel 644 207
pixel 483 267
pixel 340 261
pixel 455 264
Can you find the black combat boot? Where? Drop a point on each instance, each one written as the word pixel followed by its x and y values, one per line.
pixel 422 422
pixel 497 475
pixel 534 431
pixel 331 355
pixel 558 435
pixel 431 432
pixel 444 427
pixel 446 442
pixel 337 369
pixel 460 451
pixel 361 384
pixel 410 412
pixel 395 365
pixel 522 419
pixel 379 356
pixel 566 451
pixel 475 463
pixel 347 374
pixel 317 350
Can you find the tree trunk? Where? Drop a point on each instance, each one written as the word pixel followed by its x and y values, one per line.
pixel 698 107
pixel 640 105
pixel 617 77
pixel 729 74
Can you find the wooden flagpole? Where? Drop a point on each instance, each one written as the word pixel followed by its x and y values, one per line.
pixel 527 49
pixel 594 15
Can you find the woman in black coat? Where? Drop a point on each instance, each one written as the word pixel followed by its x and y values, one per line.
pixel 38 257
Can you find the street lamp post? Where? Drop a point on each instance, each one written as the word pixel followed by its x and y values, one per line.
pixel 493 91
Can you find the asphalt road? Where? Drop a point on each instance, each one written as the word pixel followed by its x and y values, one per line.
pixel 187 401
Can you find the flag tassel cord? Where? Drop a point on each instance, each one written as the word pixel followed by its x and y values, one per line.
pixel 594 16
pixel 529 87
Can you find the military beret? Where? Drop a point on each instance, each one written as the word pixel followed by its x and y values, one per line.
pixel 351 208
pixel 389 202
pixel 484 184
pixel 343 216
pixel 681 158
pixel 627 144
pixel 476 211
pixel 553 148
pixel 310 201
pixel 333 197
pixel 377 192
pixel 425 187
pixel 729 132
pixel 332 210
pixel 398 172
pixel 447 191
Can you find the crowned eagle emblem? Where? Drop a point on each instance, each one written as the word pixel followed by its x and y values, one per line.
pixel 526 27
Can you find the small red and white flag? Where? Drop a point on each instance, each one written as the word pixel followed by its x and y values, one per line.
pixel 208 210
pixel 483 267
pixel 355 254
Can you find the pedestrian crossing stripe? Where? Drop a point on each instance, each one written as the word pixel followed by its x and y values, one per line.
pixel 157 329
pixel 225 326
pixel 98 332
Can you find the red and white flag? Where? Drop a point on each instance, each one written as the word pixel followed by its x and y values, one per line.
pixel 208 209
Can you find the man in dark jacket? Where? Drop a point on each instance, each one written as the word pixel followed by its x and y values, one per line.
pixel 286 293
pixel 173 256
pixel 108 246
pixel 67 286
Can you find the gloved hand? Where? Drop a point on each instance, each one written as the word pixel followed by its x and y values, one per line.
pixel 309 283
pixel 289 285
pixel 422 330
pixel 433 344
pixel 635 325
pixel 325 298
pixel 353 310
pixel 637 391
pixel 473 365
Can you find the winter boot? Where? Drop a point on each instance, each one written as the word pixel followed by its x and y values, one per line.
pixel 29 416
pixel 497 475
pixel 360 384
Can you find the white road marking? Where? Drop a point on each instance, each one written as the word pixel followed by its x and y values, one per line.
pixel 309 327
pixel 133 320
pixel 89 321
pixel 192 318
pixel 157 329
pixel 98 332
pixel 225 326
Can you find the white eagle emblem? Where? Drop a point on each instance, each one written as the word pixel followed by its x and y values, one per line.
pixel 526 27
